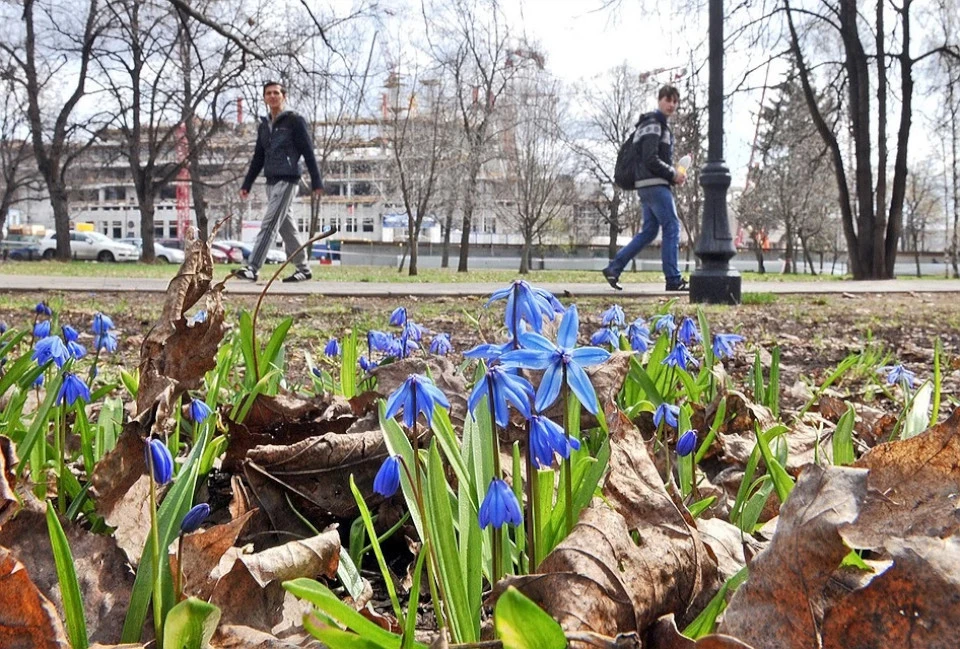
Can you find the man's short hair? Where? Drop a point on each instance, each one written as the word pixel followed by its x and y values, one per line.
pixel 267 84
pixel 668 91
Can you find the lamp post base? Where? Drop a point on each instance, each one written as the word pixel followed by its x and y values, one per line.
pixel 715 286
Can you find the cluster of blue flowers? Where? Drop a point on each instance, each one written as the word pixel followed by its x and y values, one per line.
pixel 382 346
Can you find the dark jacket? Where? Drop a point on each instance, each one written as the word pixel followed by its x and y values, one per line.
pixel 280 145
pixel 656 150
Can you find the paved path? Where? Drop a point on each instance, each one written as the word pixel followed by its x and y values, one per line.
pixel 44 283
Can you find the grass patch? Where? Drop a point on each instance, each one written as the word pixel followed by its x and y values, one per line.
pixel 758 298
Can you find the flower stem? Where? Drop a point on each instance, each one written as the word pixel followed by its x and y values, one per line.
pixel 155 538
pixel 532 515
pixel 178 583
pixel 495 443
pixel 61 452
pixel 567 464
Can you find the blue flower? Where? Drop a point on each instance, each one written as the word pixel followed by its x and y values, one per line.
pixel 723 344
pixel 198 317
pixel 105 341
pixel 366 364
pixel 614 316
pixel 559 359
pixel 332 349
pixel 413 331
pixel 402 347
pixel 606 336
pixel 101 323
pixel 499 506
pixel 441 345
pixel 399 316
pixel 898 374
pixel 687 443
pixel 415 395
pixel 378 341
pixel 41 329
pixel 524 303
pixel 76 350
pixel 489 352
pixel 199 410
pixel 159 460
pixel 71 389
pixel 49 348
pixel 42 309
pixel 680 357
pixel 639 336
pixel 547 438
pixel 3 327
pixel 69 333
pixel 37 382
pixel 664 323
pixel 388 477
pixel 666 412
pixel 689 333
pixel 194 518
pixel 505 387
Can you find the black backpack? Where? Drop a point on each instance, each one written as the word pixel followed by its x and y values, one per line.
pixel 628 159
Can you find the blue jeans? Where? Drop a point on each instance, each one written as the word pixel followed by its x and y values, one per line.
pixel 659 210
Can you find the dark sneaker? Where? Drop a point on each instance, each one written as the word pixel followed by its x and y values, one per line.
pixel 299 275
pixel 612 279
pixel 246 273
pixel 680 286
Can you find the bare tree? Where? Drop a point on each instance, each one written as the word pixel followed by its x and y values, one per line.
pixel 54 36
pixel 18 174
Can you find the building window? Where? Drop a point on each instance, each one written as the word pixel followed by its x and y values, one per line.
pixel 361 189
pixel 117 230
pixel 114 193
pixel 368 224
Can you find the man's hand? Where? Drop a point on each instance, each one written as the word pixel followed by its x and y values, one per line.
pixel 680 177
pixel 244 194
pixel 318 192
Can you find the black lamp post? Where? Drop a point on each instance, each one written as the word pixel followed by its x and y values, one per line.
pixel 715 282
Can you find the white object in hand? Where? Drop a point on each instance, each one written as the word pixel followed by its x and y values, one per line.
pixel 683 164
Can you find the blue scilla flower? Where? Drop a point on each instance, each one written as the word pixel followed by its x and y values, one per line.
pixel 402 347
pixel 378 341
pixel 388 477
pixel 159 461
pixel 76 350
pixel 504 387
pixel 639 336
pixel 413 331
pixel 41 329
pixel 38 382
pixel 524 303
pixel 199 410
pixel 106 342
pixel 606 336
pixel 332 348
pixel 415 395
pixel 69 333
pixel 101 323
pixel 3 327
pixel 552 300
pixel 689 333
pixel 499 506
pixel 366 364
pixel 71 389
pixel 399 316
pixel 687 443
pixel 557 359
pixel 547 438
pixel 664 322
pixel 666 412
pixel 680 357
pixel 489 352
pixel 441 345
pixel 900 375
pixel 43 309
pixel 723 344
pixel 194 518
pixel 50 348
pixel 614 316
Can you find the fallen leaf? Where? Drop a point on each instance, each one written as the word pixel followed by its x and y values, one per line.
pixel 231 636
pixel 27 619
pixel 202 551
pixel 663 634
pixel 780 604
pixel 8 497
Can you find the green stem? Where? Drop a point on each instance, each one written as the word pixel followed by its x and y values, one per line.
pixel 532 518
pixel 178 584
pixel 495 442
pixel 155 538
pixel 567 464
pixel 61 452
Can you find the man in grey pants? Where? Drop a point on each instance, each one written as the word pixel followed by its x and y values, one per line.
pixel 282 139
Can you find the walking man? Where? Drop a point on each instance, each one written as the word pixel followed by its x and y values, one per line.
pixel 282 139
pixel 654 177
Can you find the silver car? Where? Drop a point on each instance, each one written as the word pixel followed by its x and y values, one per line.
pixel 160 251
pixel 90 245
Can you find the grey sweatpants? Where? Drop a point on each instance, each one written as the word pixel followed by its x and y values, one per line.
pixel 279 196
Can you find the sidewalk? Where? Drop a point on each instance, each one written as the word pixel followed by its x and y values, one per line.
pixel 46 283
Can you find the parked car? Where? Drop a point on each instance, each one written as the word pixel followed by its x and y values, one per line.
pixel 90 245
pixel 274 256
pixel 160 251
pixel 233 253
pixel 27 252
pixel 219 256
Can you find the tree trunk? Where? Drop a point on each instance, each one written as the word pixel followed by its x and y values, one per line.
pixel 414 252
pixel 469 203
pixel 613 220
pixel 788 265
pixel 147 211
pixel 525 255
pixel 916 252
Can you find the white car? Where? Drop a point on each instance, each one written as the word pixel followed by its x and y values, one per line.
pixel 90 245
pixel 160 251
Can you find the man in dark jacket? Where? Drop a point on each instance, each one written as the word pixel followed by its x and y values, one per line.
pixel 655 176
pixel 282 139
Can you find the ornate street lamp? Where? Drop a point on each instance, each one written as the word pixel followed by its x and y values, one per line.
pixel 715 282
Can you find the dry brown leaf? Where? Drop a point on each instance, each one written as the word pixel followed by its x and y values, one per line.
pixel 230 636
pixel 914 603
pixel 105 580
pixel 27 619
pixel 779 606
pixel 8 497
pixel 202 552
pixel 727 542
pixel 663 634
pixel 914 487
